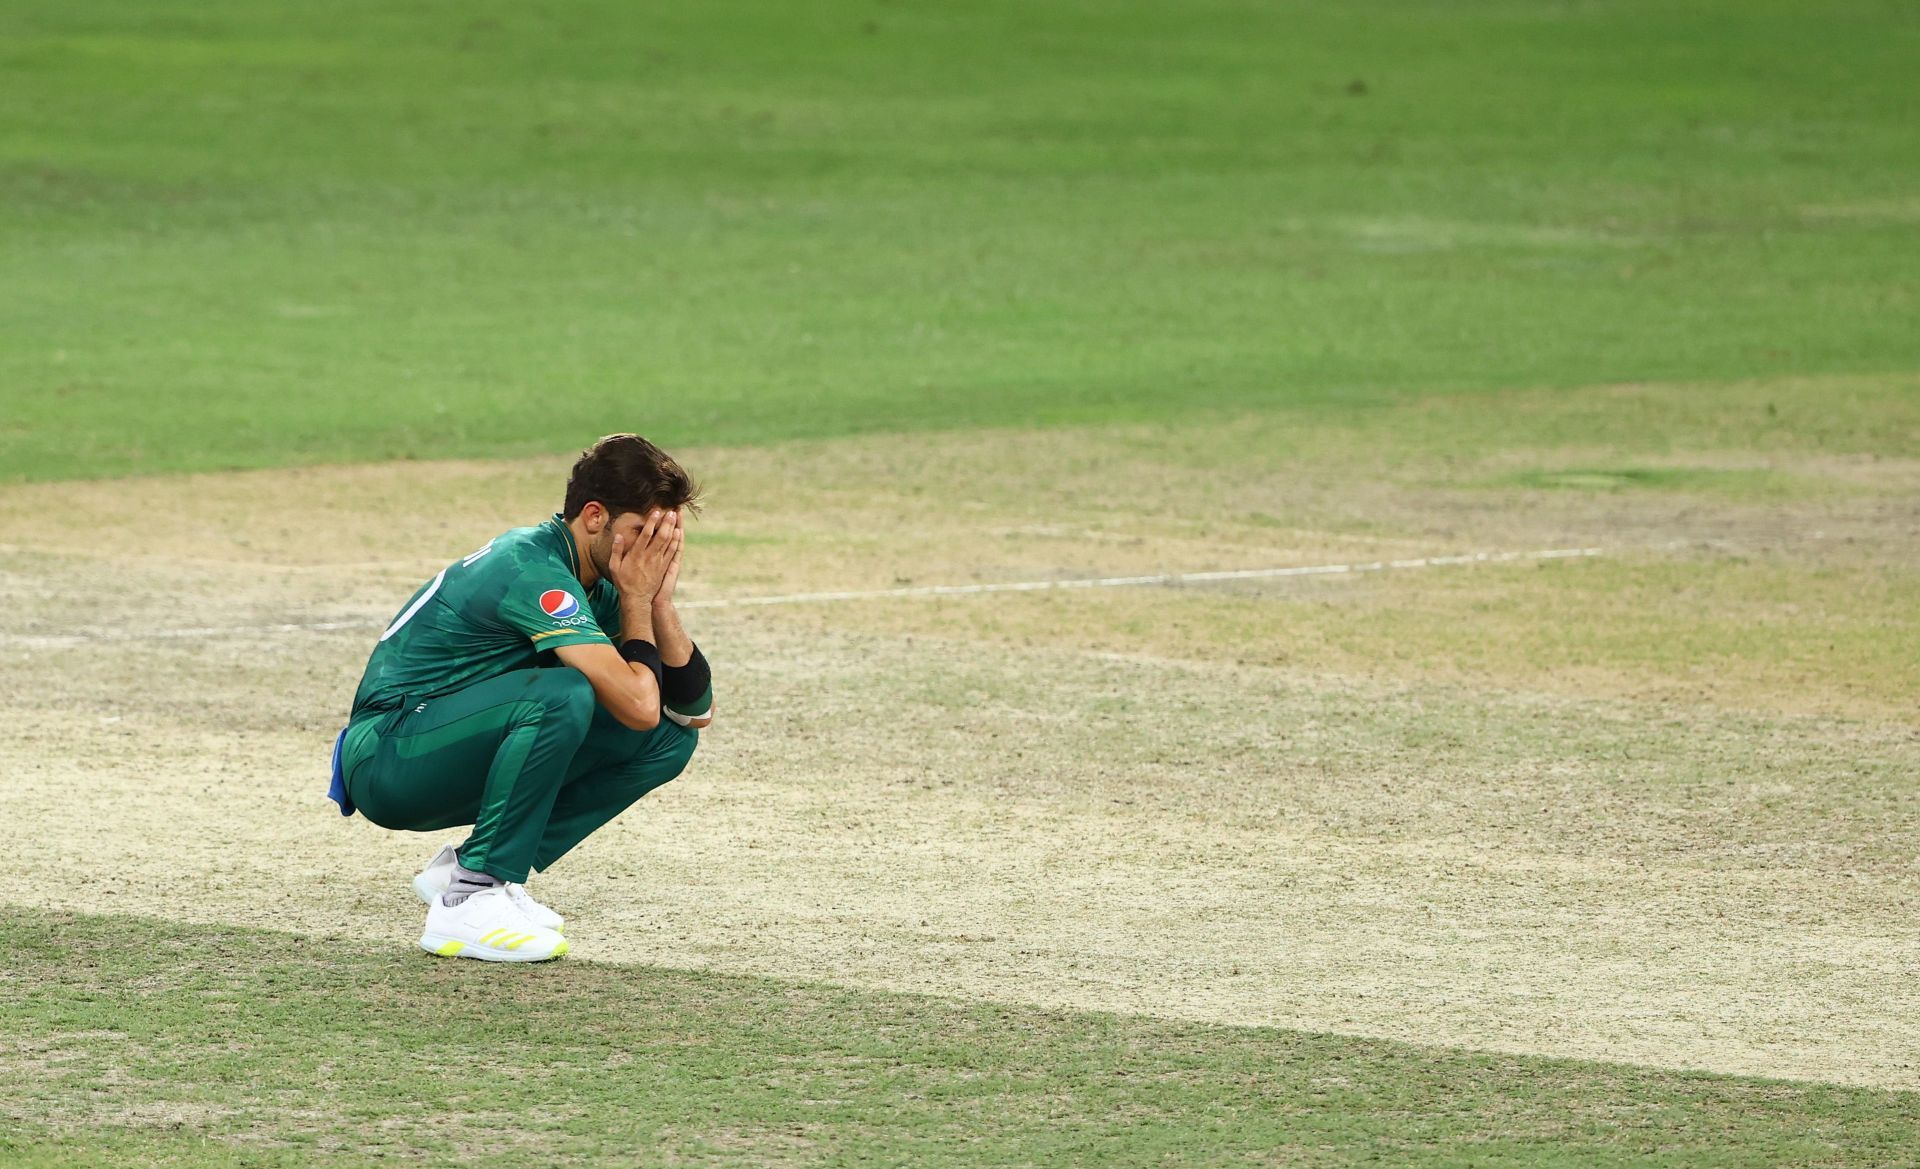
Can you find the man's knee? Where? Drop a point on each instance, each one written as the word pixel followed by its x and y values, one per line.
pixel 677 751
pixel 667 754
pixel 653 756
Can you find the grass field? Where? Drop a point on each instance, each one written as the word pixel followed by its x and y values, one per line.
pixel 1595 860
pixel 680 1067
pixel 751 221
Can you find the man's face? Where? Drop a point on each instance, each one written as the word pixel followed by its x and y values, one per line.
pixel 600 544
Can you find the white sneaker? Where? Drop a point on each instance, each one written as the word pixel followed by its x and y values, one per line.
pixel 486 925
pixel 433 880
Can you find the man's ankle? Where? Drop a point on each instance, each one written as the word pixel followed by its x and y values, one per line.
pixel 465 883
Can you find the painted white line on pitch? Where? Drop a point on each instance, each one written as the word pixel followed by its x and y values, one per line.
pixel 54 640
pixel 1158 578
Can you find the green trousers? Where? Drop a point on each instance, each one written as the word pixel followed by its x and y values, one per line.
pixel 528 758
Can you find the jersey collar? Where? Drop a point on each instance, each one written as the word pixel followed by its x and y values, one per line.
pixel 558 527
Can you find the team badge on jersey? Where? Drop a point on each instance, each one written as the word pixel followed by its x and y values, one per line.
pixel 559 604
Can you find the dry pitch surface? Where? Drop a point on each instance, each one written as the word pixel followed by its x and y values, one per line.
pixel 1654 807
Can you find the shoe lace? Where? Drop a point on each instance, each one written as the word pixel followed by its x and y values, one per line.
pixel 518 893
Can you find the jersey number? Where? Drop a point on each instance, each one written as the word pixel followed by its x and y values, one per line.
pixel 433 586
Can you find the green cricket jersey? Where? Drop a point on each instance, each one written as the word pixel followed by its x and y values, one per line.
pixel 496 610
pixel 464 716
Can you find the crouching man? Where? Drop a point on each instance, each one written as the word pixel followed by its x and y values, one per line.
pixel 521 691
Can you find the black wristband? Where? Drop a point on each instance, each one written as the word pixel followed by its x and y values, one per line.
pixel 643 652
pixel 681 685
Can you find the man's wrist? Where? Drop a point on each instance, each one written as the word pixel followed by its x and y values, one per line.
pixel 640 652
pixel 636 621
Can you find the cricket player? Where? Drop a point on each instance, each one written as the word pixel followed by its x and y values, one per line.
pixel 521 691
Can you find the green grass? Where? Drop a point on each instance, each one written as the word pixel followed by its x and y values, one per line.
pixel 249 233
pixel 256 233
pixel 136 1043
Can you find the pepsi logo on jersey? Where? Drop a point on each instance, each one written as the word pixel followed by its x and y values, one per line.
pixel 559 604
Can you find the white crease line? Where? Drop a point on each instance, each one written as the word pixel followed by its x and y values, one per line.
pixel 56 640
pixel 1161 578
pixel 53 640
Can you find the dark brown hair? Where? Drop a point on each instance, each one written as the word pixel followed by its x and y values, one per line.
pixel 624 472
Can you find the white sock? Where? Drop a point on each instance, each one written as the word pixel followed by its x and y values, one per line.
pixel 466 883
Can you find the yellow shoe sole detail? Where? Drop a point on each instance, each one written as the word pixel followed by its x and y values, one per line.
pixel 449 949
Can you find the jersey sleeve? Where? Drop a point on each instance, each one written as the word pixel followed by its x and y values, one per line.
pixel 550 610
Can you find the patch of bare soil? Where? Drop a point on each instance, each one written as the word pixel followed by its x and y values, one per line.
pixel 1052 812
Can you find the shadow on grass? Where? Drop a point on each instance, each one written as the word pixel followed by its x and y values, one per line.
pixel 137 1042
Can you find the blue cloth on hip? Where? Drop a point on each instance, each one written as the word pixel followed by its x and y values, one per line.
pixel 337 788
